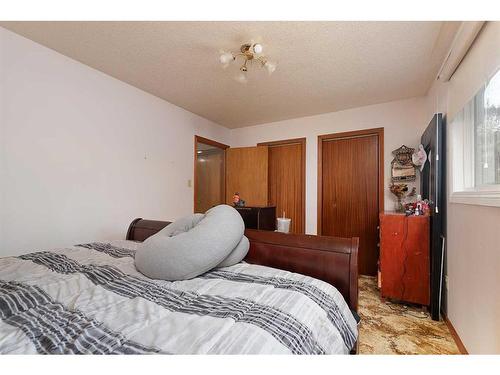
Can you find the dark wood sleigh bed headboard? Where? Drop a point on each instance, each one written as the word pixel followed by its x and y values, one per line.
pixel 331 259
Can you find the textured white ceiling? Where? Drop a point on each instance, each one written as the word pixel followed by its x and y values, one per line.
pixel 322 66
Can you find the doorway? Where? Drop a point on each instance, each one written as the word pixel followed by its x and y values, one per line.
pixel 209 173
pixel 286 180
pixel 350 190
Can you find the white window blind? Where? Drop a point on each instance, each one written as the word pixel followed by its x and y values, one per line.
pixel 475 148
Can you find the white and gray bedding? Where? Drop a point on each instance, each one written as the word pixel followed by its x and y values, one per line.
pixel 90 298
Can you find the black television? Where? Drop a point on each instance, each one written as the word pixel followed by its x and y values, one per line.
pixel 433 187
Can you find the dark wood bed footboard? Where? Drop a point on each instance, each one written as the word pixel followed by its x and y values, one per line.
pixel 331 259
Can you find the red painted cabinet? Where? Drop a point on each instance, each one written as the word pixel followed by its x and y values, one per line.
pixel 404 257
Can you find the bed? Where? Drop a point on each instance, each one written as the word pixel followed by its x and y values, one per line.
pixel 90 299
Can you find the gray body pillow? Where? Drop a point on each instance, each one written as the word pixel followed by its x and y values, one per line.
pixel 237 255
pixel 192 245
pixel 181 225
pixel 187 223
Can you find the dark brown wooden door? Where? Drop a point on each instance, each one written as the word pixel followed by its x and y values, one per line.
pixel 246 174
pixel 349 201
pixel 287 180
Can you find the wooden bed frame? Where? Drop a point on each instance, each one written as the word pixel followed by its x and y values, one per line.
pixel 331 259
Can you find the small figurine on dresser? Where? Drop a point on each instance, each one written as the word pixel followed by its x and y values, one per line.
pixel 426 207
pixel 237 201
pixel 418 206
pixel 421 207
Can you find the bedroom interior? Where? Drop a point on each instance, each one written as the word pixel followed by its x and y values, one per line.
pixel 250 187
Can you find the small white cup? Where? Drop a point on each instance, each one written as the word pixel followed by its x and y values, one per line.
pixel 283 224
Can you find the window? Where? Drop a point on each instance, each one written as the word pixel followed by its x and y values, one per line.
pixel 475 148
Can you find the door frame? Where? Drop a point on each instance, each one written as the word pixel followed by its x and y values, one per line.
pixel 302 142
pixel 210 142
pixel 350 134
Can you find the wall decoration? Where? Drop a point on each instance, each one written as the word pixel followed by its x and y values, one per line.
pixel 419 157
pixel 402 168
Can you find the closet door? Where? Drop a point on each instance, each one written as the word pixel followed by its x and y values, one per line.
pixel 350 190
pixel 247 174
pixel 287 180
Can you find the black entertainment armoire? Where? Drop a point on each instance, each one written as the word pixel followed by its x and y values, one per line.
pixel 433 187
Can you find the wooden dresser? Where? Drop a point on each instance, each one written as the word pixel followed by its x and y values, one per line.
pixel 404 257
pixel 262 218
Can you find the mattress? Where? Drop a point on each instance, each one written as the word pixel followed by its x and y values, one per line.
pixel 90 299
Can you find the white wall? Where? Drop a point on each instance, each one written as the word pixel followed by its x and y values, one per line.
pixel 82 154
pixel 403 122
pixel 473 232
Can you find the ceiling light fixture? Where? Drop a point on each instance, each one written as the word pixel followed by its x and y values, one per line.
pixel 250 52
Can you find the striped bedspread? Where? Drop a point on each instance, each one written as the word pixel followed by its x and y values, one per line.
pixel 89 298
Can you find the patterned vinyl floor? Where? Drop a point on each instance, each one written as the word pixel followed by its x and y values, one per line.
pixel 388 328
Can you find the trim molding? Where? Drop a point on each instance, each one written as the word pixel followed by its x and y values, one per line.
pixel 479 198
pixel 454 334
pixel 210 142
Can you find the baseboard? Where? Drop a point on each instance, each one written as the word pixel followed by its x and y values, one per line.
pixel 454 334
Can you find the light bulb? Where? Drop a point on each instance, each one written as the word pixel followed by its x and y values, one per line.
pixel 270 66
pixel 241 78
pixel 257 48
pixel 226 57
